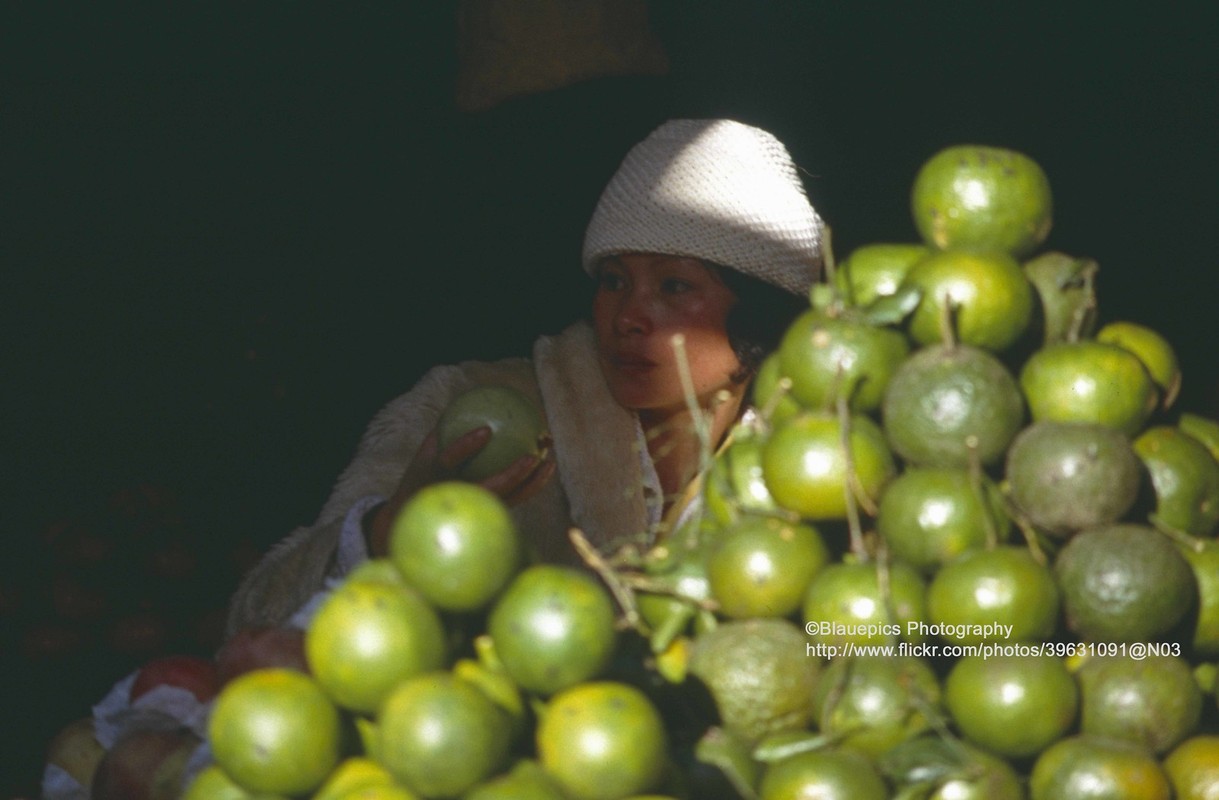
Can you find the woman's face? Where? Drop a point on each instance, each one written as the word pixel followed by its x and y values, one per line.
pixel 642 301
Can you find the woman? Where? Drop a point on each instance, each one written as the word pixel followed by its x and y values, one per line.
pixel 704 233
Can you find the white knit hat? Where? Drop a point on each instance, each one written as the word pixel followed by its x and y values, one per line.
pixel 716 190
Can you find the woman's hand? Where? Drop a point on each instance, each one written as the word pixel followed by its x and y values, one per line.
pixel 514 484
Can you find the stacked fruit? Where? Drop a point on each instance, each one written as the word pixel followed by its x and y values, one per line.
pixel 961 551
pixel 452 668
pixel 1024 601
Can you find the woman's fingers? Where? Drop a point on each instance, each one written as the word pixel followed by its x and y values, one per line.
pixel 521 479
pixel 463 448
pixel 533 483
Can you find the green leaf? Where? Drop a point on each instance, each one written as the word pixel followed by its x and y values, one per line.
pixel 730 755
pixel 778 746
pixel 891 309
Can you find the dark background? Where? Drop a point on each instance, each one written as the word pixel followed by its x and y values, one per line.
pixel 233 231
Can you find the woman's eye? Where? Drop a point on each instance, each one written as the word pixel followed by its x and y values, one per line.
pixel 675 286
pixel 610 281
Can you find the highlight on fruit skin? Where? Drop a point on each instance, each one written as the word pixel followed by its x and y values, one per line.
pixel 986 465
pixel 972 196
pixel 517 428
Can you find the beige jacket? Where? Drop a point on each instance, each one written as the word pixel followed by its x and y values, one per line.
pixel 604 481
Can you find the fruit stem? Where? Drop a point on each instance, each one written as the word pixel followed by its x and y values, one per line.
pixel 1030 536
pixel 701 427
pixel 848 488
pixel 621 592
pixel 977 483
pixel 948 322
pixel 827 249
pixel 825 296
pixel 884 584
pixel 651 585
pixel 1177 536
pixel 783 388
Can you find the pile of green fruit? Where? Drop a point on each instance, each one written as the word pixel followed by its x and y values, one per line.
pixel 961 551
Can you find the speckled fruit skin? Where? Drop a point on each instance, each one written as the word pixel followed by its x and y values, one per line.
pixel 975 196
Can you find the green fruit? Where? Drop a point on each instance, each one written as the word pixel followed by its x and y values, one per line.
pixel 440 735
pixel 761 566
pixel 974 196
pixel 1088 382
pixel 517 428
pixel 1093 767
pixel 1151 702
pixel 1204 429
pixel 759 674
pixel 366 637
pixel 1067 476
pixel 1123 583
pixel 948 769
pixel 1205 564
pixel 776 407
pixel 602 741
pixel 805 465
pixel 930 515
pixel 1152 349
pixel 1011 705
pixel 830 357
pixel 990 298
pixel 1185 477
pixel 945 401
pixel 553 627
pixel 456 544
pixel 829 774
pixel 857 604
pixel 876 702
pixel 984 589
pixel 873 271
pixel 735 484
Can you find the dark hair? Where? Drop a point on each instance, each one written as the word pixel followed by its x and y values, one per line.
pixel 757 321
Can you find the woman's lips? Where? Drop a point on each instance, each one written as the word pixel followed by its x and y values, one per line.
pixel 632 363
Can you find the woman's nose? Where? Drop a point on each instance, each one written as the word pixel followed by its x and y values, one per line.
pixel 633 314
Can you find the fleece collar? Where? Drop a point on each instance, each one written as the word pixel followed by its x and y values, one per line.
pixel 597 446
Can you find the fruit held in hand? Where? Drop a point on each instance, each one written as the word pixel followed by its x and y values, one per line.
pixel 517 428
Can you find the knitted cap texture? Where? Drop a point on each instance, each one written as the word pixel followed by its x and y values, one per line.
pixel 717 190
